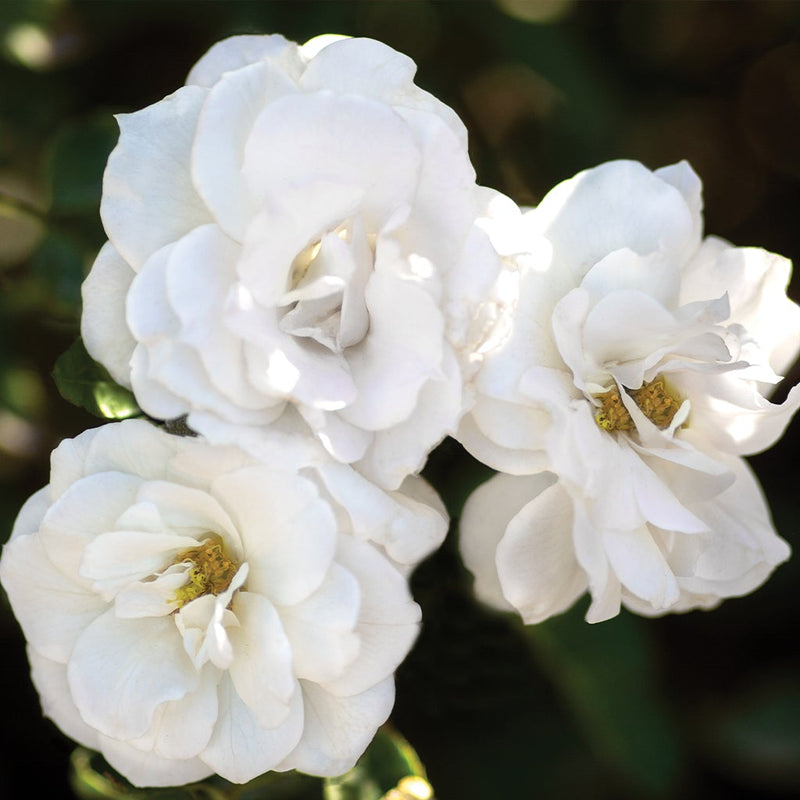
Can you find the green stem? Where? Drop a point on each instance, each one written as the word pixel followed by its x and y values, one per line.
pixel 11 206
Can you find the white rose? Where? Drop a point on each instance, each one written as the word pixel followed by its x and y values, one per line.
pixel 292 236
pixel 189 610
pixel 634 379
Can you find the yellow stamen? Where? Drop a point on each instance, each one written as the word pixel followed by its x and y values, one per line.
pixel 658 404
pixel 612 414
pixel 211 571
pixel 654 399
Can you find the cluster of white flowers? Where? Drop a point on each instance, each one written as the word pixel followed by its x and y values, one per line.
pixel 301 265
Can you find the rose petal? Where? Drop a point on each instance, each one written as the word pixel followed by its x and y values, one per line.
pixel 388 620
pixel 121 670
pixel 50 679
pixel 321 628
pixel 148 197
pixel 223 128
pixel 337 730
pixel 147 769
pixel 535 558
pixel 104 328
pixel 236 52
pixel 52 608
pixel 261 670
pixel 288 532
pixel 240 748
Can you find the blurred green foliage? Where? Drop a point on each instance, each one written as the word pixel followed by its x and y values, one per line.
pixel 705 705
pixel 88 385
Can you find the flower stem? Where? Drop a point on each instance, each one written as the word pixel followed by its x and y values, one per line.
pixel 11 206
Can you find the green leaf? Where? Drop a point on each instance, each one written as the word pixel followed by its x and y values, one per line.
pixel 77 160
pixel 605 674
pixel 87 384
pixel 389 770
pixel 59 264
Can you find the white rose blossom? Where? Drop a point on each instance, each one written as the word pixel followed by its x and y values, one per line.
pixel 189 610
pixel 634 380
pixel 292 238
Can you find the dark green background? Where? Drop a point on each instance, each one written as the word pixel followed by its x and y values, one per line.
pixel 704 705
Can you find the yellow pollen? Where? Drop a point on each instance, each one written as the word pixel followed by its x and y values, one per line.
pixel 211 571
pixel 612 414
pixel 654 399
pixel 656 402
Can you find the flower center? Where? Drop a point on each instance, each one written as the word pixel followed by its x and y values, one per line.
pixel 304 260
pixel 654 399
pixel 211 571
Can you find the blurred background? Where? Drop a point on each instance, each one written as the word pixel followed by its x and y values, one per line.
pixel 704 705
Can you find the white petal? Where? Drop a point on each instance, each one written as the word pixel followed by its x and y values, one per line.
pixel 321 629
pixel 627 325
pixel 732 414
pixel 303 214
pixel 240 748
pixel 151 598
pixel 104 329
pixel 403 449
pixel 484 520
pixel 388 620
pixel 535 558
pixel 67 461
pixel 371 68
pixel 203 627
pixel 115 559
pixel 34 508
pixel 288 531
pixel 222 131
pixel 236 52
pixel 262 660
pixel 404 349
pixel 345 441
pixel 657 501
pixel 688 183
pixel 121 670
pixel 143 768
pixel 624 269
pixel 641 567
pixel 182 728
pixel 337 730
pixel 281 366
pixel 50 679
pixel 439 230
pixel 87 508
pixel 148 197
pixel 336 139
pixel 743 548
pixel 313 46
pixel 604 586
pixel 188 512
pixel 407 529
pixel 133 446
pixel 618 204
pixel 505 436
pixel 756 283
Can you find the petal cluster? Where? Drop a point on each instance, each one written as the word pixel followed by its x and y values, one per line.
pixel 190 610
pixel 293 240
pixel 635 378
